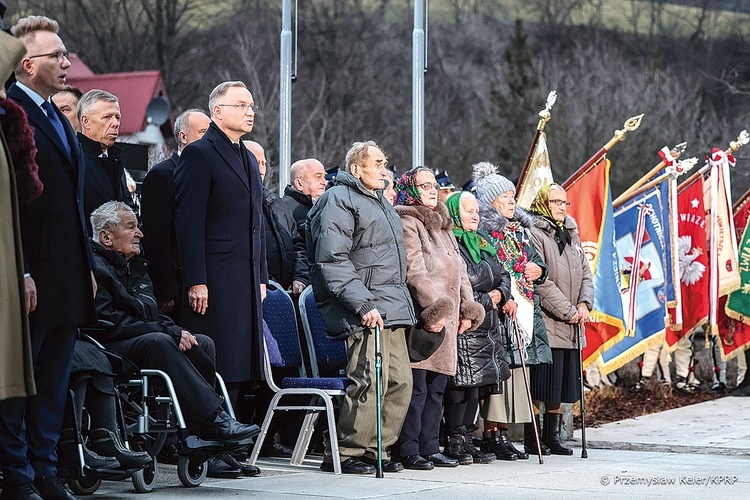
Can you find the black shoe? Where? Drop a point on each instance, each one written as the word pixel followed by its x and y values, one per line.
pixel 389 465
pixel 718 388
pixel 107 443
pixel 743 389
pixel 68 459
pixel 493 445
pixel 277 449
pixel 455 447
pixel 168 455
pixel 20 491
pixel 222 427
pixel 529 438
pixel 552 424
pixel 479 456
pixel 440 460
pixel 417 462
pixel 51 488
pixel 351 465
pixel 219 469
pixel 247 469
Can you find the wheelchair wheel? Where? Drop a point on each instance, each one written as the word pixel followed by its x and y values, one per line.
pixel 191 475
pixel 84 486
pixel 144 480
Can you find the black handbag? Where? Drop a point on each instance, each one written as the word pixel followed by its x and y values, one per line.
pixel 421 343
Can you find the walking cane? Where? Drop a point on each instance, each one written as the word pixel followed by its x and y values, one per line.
pixel 584 452
pixel 521 352
pixel 379 402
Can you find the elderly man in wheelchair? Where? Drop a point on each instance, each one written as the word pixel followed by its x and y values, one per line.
pixel 125 300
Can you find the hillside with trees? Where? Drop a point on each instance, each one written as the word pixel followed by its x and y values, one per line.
pixel 490 67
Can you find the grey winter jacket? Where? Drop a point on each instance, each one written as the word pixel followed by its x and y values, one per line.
pixel 568 282
pixel 355 246
pixel 538 352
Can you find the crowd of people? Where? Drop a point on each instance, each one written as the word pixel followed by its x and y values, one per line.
pixel 476 299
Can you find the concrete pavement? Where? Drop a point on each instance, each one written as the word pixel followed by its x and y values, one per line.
pixel 695 452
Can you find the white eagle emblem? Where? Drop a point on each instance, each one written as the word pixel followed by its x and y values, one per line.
pixel 691 271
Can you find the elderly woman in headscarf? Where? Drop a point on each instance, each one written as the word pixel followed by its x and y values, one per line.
pixel 482 362
pixel 442 295
pixel 508 227
pixel 567 297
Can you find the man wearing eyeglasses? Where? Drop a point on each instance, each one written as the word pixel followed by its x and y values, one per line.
pixel 220 235
pixel 58 266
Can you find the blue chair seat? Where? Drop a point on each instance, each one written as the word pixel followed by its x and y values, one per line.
pixel 326 384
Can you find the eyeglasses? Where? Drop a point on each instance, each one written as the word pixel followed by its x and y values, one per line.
pixel 425 186
pixel 242 107
pixel 560 203
pixel 58 54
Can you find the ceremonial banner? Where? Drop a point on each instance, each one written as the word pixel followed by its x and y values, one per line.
pixel 726 246
pixel 734 317
pixel 693 261
pixel 648 273
pixel 538 174
pixel 591 206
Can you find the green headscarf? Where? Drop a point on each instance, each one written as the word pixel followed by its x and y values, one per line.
pixel 474 243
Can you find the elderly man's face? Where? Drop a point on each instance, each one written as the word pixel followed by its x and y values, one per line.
pixel 125 238
pixel 313 180
pixel 66 102
pixel 101 123
pixel 372 172
pixel 197 125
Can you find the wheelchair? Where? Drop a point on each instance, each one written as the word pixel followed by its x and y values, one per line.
pixel 148 412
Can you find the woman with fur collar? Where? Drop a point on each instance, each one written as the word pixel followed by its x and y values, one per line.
pixel 567 297
pixel 442 295
pixel 508 227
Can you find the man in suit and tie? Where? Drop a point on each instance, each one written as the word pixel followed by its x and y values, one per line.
pixel 58 262
pixel 157 216
pixel 220 235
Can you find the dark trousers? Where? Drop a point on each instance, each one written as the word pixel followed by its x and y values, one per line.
pixel 461 404
pixel 192 372
pixel 30 427
pixel 421 429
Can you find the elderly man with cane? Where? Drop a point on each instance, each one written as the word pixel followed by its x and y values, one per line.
pixel 358 271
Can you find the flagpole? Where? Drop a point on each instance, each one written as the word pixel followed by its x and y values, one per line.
pixel 673 241
pixel 713 250
pixel 630 125
pixel 675 155
pixel 678 170
pixel 742 139
pixel 544 117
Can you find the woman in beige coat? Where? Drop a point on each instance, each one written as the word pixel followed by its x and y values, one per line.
pixel 442 295
pixel 567 297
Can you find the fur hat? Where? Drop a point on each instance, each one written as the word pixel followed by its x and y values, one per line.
pixel 488 184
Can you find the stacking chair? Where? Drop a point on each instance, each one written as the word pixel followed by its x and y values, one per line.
pixel 326 355
pixel 281 349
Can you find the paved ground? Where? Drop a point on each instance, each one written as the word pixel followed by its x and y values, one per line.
pixel 697 452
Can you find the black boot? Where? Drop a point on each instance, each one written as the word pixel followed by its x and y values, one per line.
pixel 479 456
pixel 743 389
pixel 529 438
pixel 455 447
pixel 508 444
pixel 552 424
pixel 492 444
pixel 68 459
pixel 105 442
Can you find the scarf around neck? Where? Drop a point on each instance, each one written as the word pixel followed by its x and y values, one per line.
pixel 540 206
pixel 473 242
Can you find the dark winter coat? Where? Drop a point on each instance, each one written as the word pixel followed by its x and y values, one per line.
pixel 125 298
pixel 298 204
pixel 436 275
pixel 538 352
pixel 482 360
pixel 159 240
pixel 285 249
pixel 105 177
pixel 568 282
pixel 53 226
pixel 222 243
pixel 355 246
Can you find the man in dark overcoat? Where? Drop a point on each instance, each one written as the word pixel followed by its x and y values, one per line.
pixel 220 235
pixel 157 216
pixel 58 260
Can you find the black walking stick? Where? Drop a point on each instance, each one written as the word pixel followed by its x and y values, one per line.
pixel 522 352
pixel 579 338
pixel 379 402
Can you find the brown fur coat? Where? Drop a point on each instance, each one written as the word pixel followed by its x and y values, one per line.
pixel 437 280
